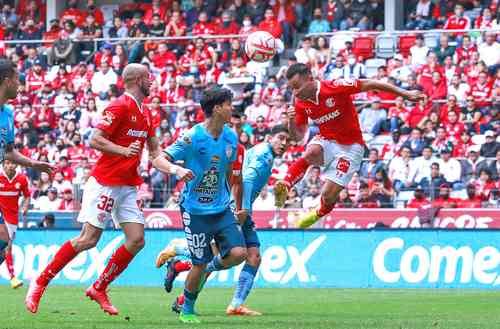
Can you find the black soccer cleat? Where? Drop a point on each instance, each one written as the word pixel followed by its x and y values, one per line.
pixel 170 276
pixel 176 305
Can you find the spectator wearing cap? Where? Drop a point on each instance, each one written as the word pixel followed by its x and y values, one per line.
pixel 415 142
pixel 370 167
pixel 419 199
pixel 489 52
pixel 490 147
pixel 420 17
pixel 67 203
pixel 399 170
pixel 420 168
pixel 103 79
pixel 472 164
pixel 451 169
pixel 419 52
pixel 35 78
pixel 444 200
pixel 473 200
pixel 318 24
pixel 372 117
pixel 105 55
pixel 49 202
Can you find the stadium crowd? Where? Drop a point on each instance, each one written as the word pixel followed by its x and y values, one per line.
pixel 442 150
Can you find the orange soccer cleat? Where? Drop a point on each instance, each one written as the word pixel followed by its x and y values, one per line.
pixel 101 298
pixel 241 310
pixel 35 293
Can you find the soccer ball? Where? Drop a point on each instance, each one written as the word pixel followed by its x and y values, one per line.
pixel 260 46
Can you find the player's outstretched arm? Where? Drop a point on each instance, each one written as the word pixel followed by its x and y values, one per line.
pixel 369 84
pixel 164 165
pixel 13 155
pixel 100 142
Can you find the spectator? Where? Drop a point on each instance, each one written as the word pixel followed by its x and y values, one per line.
pixel 451 168
pixel 458 21
pixel 462 147
pixel 270 23
pixel 399 170
pixel 441 141
pixel 261 130
pixel 103 79
pixel 490 147
pixel 444 200
pixel 173 202
pixel 464 52
pixel 391 148
pixel 353 69
pixel 472 165
pixel 67 203
pixel 415 142
pixel 344 201
pixel 419 199
pixel 306 54
pixel 49 202
pixel 494 167
pixel 419 51
pixel 489 52
pixel 256 109
pixel 451 105
pixel 484 184
pixel 285 15
pixel 335 70
pixel 381 189
pixel 370 167
pixel 481 91
pixel 312 200
pixel 118 30
pixel 365 199
pixel 372 117
pixel 319 24
pixel 444 49
pixel 420 17
pixel 48 221
pixel 357 15
pixel 418 114
pixel 454 127
pixel 437 89
pixel 437 179
pixel 420 168
pixel 293 200
pixel 473 200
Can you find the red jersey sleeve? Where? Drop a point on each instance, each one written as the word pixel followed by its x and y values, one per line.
pixel 110 119
pixel 238 164
pixel 151 128
pixel 336 87
pixel 300 115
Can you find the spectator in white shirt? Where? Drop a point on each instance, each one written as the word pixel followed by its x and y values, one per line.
pixel 489 52
pixel 420 167
pixel 459 89
pixel 419 52
pixel 49 202
pixel 399 170
pixel 312 200
pixel 257 109
pixel 354 69
pixel 370 117
pixel 60 183
pixel 103 79
pixel 306 54
pixel 451 169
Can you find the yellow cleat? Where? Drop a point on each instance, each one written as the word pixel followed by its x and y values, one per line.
pixel 280 193
pixel 15 283
pixel 241 310
pixel 308 220
pixel 165 255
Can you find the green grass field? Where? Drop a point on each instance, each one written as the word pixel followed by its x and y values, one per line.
pixel 149 308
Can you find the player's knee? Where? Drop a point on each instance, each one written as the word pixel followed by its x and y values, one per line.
pixel 239 255
pixel 85 242
pixel 254 259
pixel 314 155
pixel 137 243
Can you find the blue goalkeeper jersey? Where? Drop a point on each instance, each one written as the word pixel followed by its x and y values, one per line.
pixel 6 129
pixel 257 168
pixel 210 160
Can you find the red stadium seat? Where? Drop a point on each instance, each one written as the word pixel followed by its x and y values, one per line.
pixel 405 43
pixel 363 46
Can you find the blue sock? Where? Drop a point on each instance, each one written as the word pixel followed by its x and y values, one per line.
pixel 3 245
pixel 215 265
pixel 245 283
pixel 189 300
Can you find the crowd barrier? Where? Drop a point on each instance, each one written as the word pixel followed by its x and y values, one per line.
pixel 486 218
pixel 291 258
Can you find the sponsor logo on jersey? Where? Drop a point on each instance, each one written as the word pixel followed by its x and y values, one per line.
pixel 209 182
pixel 330 102
pixel 18 186
pixel 137 133
pixel 327 117
pixel 186 139
pixel 133 118
pixel 107 118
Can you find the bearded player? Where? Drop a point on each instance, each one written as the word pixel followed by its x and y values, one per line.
pixel 13 185
pixel 339 147
pixel 111 191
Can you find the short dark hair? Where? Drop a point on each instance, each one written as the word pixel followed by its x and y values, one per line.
pixel 279 129
pixel 7 69
pixel 435 164
pixel 212 97
pixel 297 68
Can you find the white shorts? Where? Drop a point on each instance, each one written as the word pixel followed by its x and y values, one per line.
pixel 101 203
pixel 341 161
pixel 11 229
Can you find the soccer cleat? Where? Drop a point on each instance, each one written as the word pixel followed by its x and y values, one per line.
pixel 189 318
pixel 15 283
pixel 35 293
pixel 280 193
pixel 241 310
pixel 308 220
pixel 170 277
pixel 101 298
pixel 165 255
pixel 177 304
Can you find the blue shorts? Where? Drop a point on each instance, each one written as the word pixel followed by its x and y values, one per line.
pixel 201 229
pixel 249 233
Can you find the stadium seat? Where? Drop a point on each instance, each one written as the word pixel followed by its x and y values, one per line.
pixel 405 43
pixel 363 46
pixel 371 66
pixel 431 40
pixel 386 46
pixel 338 40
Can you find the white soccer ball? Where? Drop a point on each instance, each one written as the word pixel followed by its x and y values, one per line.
pixel 260 46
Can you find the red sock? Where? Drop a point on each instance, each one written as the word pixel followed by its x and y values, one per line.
pixel 63 256
pixel 10 264
pixel 182 266
pixel 324 208
pixel 116 265
pixel 180 299
pixel 296 171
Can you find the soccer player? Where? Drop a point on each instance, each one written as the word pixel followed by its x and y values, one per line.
pixel 111 191
pixel 12 186
pixel 257 166
pixel 9 82
pixel 208 149
pixel 339 147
